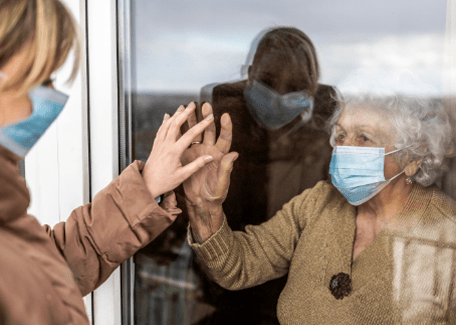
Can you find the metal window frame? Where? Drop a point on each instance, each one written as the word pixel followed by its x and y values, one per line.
pixel 125 88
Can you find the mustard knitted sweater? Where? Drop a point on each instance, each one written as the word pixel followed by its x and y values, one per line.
pixel 406 276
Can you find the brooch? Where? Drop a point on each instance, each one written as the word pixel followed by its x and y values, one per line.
pixel 340 285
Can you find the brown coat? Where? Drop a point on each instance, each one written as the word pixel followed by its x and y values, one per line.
pixel 45 272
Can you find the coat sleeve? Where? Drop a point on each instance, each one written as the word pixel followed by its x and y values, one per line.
pixel 99 236
pixel 238 260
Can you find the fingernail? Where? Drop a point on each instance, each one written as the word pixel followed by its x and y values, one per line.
pixel 191 105
pixel 166 116
pixel 208 158
pixel 210 117
pixel 181 108
pixel 236 158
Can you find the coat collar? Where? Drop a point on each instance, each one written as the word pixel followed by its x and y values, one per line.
pixel 14 195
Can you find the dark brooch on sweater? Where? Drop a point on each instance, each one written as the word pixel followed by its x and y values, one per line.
pixel 340 285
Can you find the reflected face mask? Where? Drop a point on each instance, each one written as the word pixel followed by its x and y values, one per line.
pixel 273 110
pixel 357 172
pixel 20 137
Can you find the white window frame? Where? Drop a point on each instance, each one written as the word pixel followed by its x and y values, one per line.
pixel 79 154
pixel 104 148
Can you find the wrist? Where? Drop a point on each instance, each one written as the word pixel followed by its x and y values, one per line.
pixel 152 189
pixel 205 220
pixel 153 192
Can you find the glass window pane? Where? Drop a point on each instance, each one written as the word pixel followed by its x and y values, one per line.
pixel 201 51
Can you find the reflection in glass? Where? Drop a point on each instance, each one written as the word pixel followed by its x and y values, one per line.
pixel 187 51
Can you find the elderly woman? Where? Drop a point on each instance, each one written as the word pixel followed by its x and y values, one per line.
pixel 377 246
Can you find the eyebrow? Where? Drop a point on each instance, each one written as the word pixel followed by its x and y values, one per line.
pixel 340 126
pixel 358 126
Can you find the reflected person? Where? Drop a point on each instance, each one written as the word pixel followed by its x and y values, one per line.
pixel 278 113
pixel 46 271
pixel 376 245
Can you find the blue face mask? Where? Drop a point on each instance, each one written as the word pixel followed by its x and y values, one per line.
pixel 19 137
pixel 357 172
pixel 273 110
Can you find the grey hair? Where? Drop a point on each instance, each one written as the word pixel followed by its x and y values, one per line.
pixel 422 128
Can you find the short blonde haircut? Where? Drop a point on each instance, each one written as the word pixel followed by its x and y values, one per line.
pixel 46 30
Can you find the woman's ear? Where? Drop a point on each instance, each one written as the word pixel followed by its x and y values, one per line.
pixel 413 167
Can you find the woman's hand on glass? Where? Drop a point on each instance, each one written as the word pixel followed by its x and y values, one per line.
pixel 209 185
pixel 207 188
pixel 164 171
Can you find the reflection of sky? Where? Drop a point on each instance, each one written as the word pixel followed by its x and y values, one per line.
pixel 183 45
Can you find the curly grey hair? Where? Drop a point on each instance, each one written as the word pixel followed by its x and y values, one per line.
pixel 422 128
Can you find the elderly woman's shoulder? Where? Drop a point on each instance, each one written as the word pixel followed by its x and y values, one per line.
pixel 438 222
pixel 443 203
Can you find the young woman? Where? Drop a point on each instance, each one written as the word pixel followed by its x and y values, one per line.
pixel 45 272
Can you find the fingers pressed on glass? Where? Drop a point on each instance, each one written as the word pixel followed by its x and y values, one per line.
pixel 209 133
pixel 224 141
pixel 163 129
pixel 192 121
pixel 180 119
pixel 191 135
pixel 226 166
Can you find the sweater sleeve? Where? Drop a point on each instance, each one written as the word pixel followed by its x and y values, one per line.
pixel 238 260
pixel 99 236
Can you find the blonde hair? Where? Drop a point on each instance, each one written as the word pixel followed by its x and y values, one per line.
pixel 46 30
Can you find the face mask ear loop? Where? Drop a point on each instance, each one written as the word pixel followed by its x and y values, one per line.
pixel 386 154
pixel 395 176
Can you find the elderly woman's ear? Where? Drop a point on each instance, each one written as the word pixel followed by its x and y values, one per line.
pixel 412 167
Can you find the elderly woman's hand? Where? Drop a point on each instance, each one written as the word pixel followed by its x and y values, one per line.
pixel 163 170
pixel 206 189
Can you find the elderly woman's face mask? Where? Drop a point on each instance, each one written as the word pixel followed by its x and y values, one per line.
pixel 357 172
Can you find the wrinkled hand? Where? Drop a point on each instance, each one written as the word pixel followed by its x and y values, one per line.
pixel 163 170
pixel 209 185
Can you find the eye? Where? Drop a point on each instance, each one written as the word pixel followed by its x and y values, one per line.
pixel 364 138
pixel 340 137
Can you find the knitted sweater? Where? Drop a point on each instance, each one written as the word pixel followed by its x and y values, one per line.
pixel 406 276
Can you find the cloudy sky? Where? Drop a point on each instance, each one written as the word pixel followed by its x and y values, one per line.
pixel 183 45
